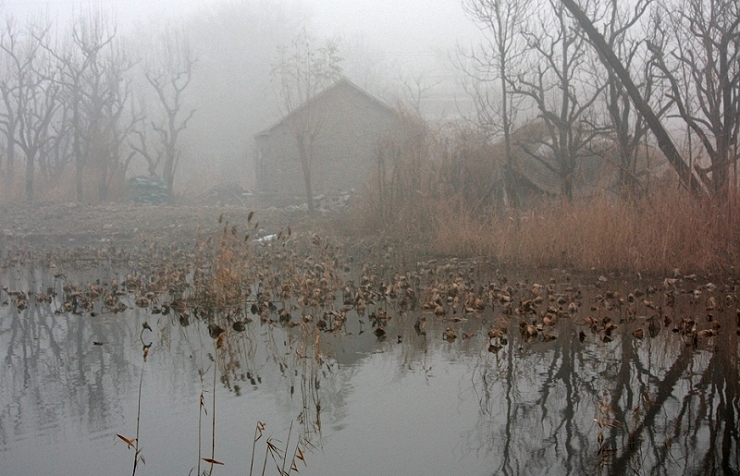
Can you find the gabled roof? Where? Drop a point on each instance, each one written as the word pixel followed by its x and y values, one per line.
pixel 343 82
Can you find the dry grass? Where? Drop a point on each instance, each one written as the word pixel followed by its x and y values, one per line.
pixel 221 268
pixel 58 188
pixel 427 196
pixel 423 174
pixel 658 234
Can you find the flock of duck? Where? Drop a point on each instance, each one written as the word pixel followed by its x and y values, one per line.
pixel 307 281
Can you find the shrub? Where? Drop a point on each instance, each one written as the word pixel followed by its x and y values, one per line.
pixel 431 195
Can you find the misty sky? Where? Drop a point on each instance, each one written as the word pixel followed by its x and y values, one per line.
pixel 397 26
pixel 399 40
pixel 400 27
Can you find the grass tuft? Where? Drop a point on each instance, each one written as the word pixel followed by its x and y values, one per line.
pixel 430 196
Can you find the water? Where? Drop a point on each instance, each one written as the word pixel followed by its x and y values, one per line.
pixel 412 403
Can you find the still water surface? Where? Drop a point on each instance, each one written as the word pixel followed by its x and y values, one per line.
pixel 413 403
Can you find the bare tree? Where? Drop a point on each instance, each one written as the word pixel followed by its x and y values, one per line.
pixel 560 86
pixel 610 58
pixel 629 128
pixel 142 145
pixel 60 147
pixel 169 74
pixel 104 93
pixel 302 70
pixel 414 89
pixel 94 77
pixel 114 125
pixel 8 117
pixel 86 93
pixel 501 21
pixel 705 51
pixel 30 94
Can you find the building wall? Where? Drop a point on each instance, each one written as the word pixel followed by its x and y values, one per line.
pixel 343 153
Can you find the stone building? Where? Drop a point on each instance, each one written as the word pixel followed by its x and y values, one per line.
pixel 352 122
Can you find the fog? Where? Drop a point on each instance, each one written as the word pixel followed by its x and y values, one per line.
pixel 386 46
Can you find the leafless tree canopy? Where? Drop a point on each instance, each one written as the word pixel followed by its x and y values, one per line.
pixel 601 69
pixel 84 105
pixel 169 74
pixel 302 70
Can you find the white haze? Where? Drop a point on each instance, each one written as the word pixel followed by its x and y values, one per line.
pixel 385 43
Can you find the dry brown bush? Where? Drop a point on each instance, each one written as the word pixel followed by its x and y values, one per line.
pixel 59 188
pixel 657 234
pixel 423 172
pixel 426 196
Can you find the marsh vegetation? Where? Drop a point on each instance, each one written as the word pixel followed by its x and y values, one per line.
pixel 237 356
pixel 547 283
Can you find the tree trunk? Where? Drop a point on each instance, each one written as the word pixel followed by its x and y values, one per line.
pixel 29 177
pixel 78 179
pixel 512 190
pixel 103 183
pixel 103 164
pixel 77 151
pixel 610 58
pixel 10 159
pixel 305 159
pixel 720 166
pixel 566 181
pixel 168 172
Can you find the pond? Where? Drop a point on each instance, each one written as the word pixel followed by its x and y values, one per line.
pixel 550 375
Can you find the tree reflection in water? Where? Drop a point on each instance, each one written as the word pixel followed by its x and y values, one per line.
pixel 663 405
pixel 587 402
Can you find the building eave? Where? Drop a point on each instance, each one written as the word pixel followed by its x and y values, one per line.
pixel 341 82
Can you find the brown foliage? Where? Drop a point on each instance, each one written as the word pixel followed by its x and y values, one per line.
pixel 425 198
pixel 59 188
pixel 422 173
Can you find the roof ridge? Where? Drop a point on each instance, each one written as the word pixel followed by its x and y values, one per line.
pixel 343 80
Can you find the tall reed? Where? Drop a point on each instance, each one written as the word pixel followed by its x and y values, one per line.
pixel 432 195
